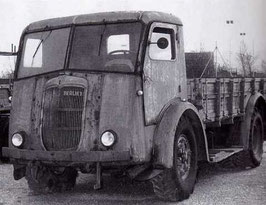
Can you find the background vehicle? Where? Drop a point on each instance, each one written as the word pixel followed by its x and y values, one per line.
pixel 108 92
pixel 5 106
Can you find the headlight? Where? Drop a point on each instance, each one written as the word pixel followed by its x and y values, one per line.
pixel 108 138
pixel 17 139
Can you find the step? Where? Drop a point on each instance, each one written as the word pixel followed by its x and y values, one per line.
pixel 217 155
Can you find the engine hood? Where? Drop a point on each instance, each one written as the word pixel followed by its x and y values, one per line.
pixel 109 102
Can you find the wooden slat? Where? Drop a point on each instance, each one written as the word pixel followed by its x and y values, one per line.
pixel 218 100
pixel 231 97
pixel 261 87
pixel 242 96
pixel 253 86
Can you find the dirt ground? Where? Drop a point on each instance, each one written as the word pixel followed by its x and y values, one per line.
pixel 215 186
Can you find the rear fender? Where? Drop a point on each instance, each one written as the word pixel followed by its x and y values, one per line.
pixel 165 133
pixel 255 100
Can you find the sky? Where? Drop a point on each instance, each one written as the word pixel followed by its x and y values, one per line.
pixel 204 21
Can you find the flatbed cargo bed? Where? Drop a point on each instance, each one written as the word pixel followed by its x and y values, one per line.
pixel 222 99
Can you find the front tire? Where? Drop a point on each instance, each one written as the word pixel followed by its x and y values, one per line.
pixel 43 179
pixel 177 183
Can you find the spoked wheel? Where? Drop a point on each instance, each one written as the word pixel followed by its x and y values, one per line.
pixel 177 183
pixel 46 180
pixel 183 157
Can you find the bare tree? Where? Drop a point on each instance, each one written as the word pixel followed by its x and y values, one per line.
pixel 7 74
pixel 263 66
pixel 246 60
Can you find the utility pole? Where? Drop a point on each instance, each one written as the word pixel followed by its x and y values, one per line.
pixel 242 52
pixel 216 64
pixel 253 49
pixel 230 22
pixel 242 41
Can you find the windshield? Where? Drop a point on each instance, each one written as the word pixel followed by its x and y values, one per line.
pixel 107 47
pixel 43 52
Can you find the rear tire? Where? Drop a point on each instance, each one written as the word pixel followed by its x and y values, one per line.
pixel 177 183
pixel 45 180
pixel 256 139
pixel 253 156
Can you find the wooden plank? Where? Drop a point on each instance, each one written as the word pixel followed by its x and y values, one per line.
pixel 206 98
pixel 242 96
pixel 261 87
pixel 218 100
pixel 231 97
pixel 253 86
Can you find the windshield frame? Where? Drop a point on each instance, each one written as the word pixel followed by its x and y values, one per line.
pixel 69 46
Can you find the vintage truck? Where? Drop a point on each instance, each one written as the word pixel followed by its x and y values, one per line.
pixel 108 92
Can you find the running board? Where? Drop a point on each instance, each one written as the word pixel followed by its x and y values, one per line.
pixel 217 155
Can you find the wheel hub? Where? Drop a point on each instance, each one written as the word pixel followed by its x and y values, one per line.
pixel 183 161
pixel 257 140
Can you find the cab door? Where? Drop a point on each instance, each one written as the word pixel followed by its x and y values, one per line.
pixel 164 75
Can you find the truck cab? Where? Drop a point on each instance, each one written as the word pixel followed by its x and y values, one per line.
pixel 79 77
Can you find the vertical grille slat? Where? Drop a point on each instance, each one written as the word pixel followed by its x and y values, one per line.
pixel 62 117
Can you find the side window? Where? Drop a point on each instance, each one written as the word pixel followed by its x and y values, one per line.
pixel 118 44
pixel 162 44
pixel 33 53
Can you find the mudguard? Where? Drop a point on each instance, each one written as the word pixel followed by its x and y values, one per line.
pixel 245 125
pixel 166 129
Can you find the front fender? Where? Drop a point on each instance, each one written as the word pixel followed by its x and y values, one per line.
pixel 165 132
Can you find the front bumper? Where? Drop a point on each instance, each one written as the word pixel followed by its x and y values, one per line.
pixel 66 156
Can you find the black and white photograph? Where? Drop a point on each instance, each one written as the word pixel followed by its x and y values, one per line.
pixel 118 102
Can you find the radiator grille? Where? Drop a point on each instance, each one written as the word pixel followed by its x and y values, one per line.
pixel 62 118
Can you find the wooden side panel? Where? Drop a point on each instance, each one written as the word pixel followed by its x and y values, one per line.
pixel 225 98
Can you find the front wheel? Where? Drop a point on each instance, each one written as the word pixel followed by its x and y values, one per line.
pixel 43 179
pixel 178 183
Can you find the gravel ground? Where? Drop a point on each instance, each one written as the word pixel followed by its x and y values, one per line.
pixel 215 186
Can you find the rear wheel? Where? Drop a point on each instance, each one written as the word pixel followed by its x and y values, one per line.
pixel 177 183
pixel 46 180
pixel 256 139
pixel 253 156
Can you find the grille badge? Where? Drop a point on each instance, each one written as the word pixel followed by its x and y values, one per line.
pixel 72 93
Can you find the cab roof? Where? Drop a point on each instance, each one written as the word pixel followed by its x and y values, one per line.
pixel 109 17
